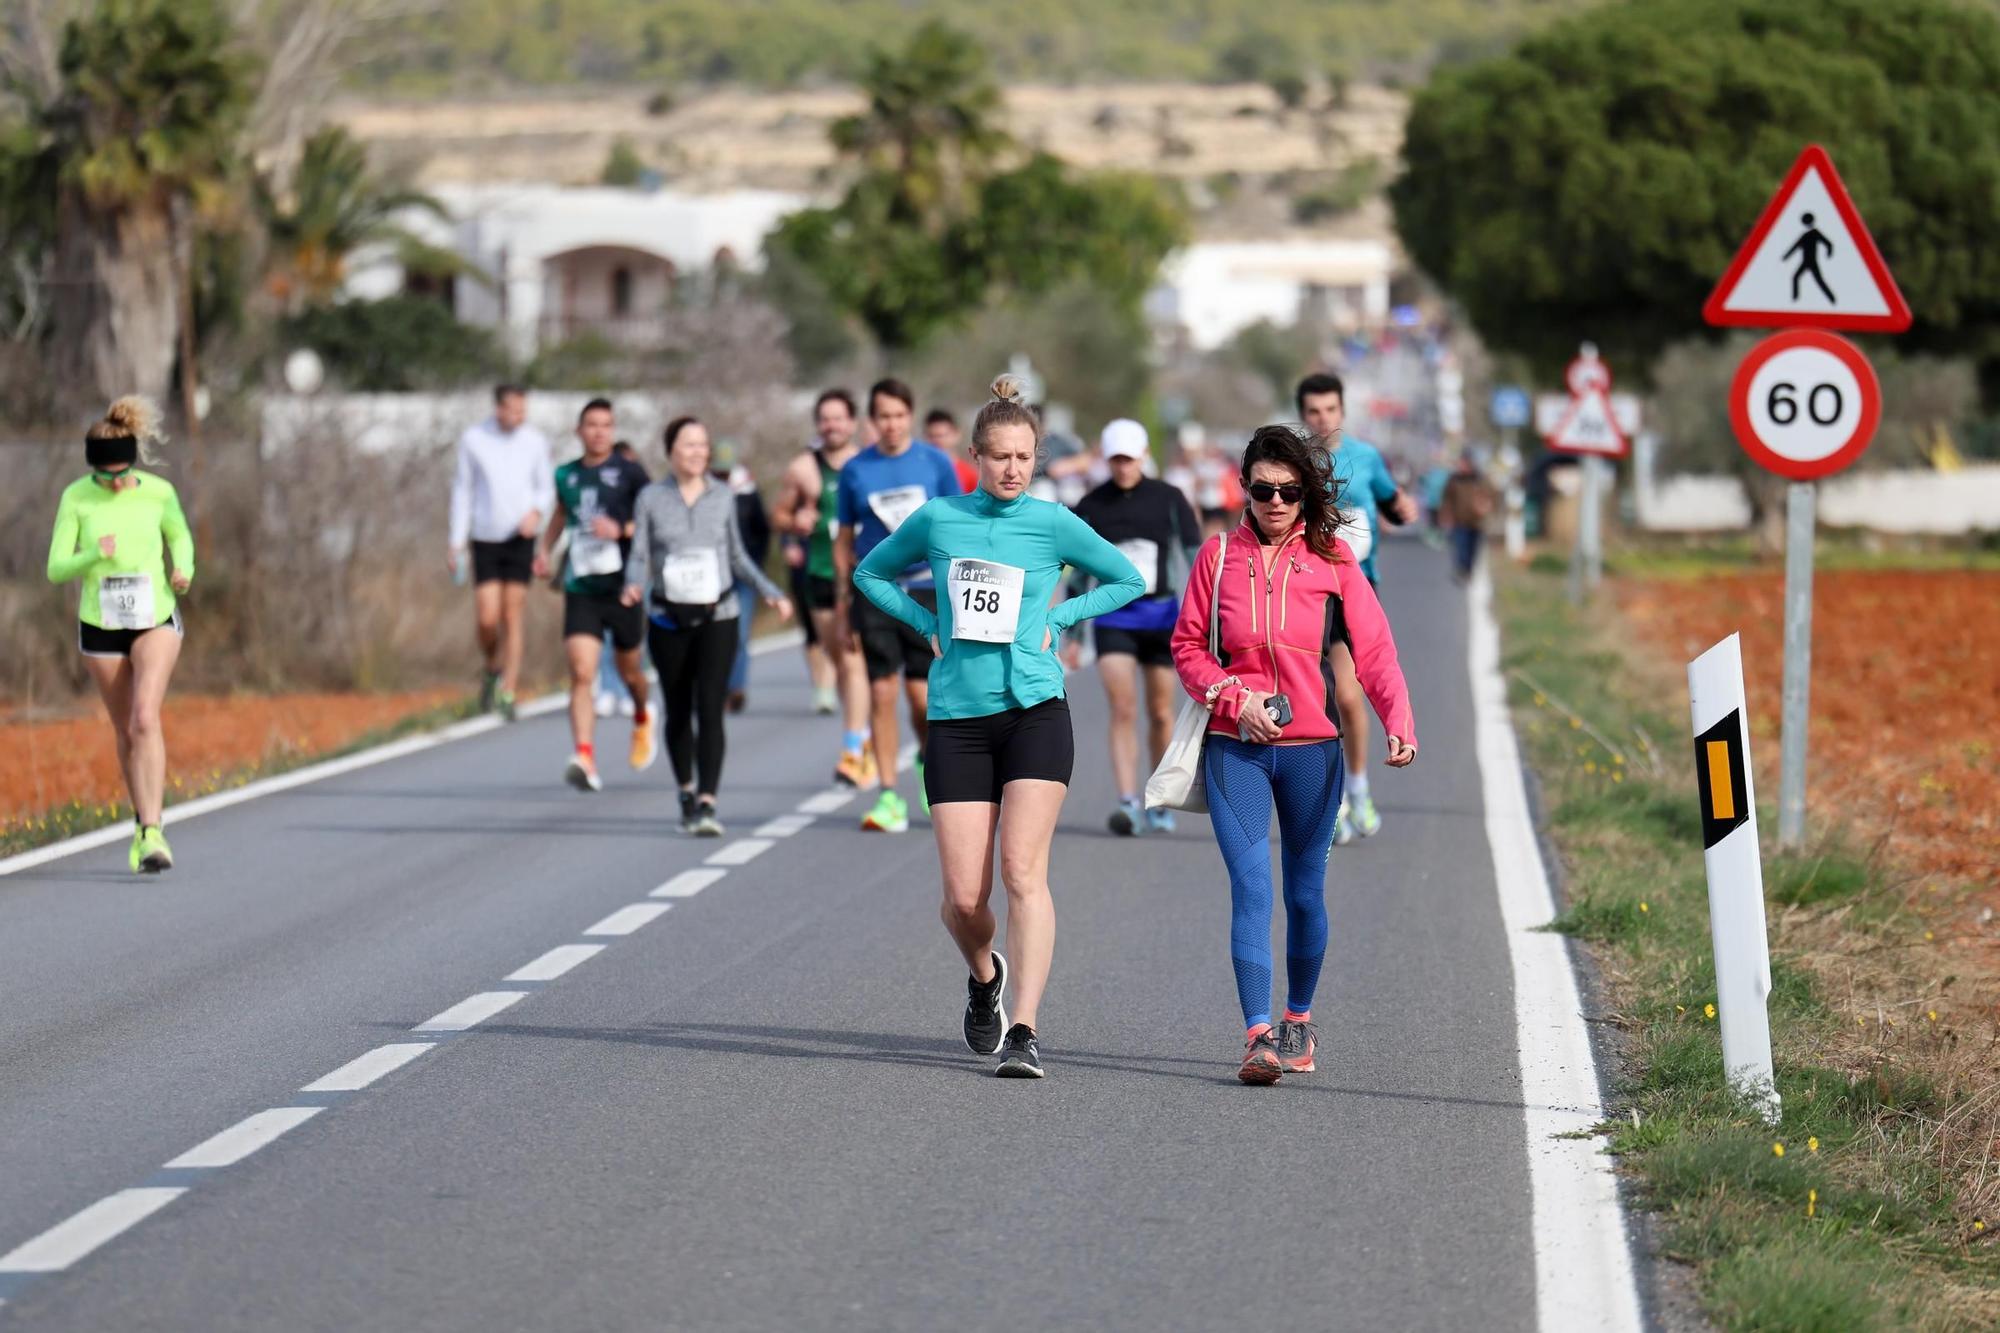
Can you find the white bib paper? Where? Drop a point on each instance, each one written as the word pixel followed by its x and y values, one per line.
pixel 125 601
pixel 1357 532
pixel 985 600
pixel 590 555
pixel 895 505
pixel 694 578
pixel 1145 557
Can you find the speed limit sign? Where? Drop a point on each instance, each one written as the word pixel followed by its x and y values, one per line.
pixel 1805 403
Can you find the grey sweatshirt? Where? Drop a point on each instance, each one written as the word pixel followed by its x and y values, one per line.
pixel 667 526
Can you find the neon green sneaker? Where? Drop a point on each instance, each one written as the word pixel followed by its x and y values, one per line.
pixel 504 701
pixel 890 815
pixel 922 795
pixel 150 853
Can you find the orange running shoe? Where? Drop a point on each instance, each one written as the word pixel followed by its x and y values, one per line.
pixel 857 769
pixel 1261 1066
pixel 645 745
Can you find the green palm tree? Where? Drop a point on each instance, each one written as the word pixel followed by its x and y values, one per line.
pixel 335 207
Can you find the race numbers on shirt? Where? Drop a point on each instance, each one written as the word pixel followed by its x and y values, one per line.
pixel 125 601
pixel 1145 557
pixel 590 555
pixel 894 506
pixel 985 600
pixel 1357 532
pixel 693 578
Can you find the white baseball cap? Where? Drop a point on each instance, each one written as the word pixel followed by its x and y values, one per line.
pixel 1124 438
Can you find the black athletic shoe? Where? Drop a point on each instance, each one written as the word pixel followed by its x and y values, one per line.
pixel 1022 1057
pixel 688 813
pixel 489 689
pixel 986 1010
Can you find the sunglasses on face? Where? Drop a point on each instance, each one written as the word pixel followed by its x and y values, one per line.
pixel 1263 492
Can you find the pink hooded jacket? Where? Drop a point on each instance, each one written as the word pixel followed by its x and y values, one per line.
pixel 1282 609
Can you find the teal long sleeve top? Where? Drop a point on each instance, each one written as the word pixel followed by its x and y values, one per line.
pixel 997 564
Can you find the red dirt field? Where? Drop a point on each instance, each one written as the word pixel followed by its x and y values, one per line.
pixel 1905 740
pixel 47 763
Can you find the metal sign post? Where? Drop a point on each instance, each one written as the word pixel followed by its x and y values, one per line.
pixel 1800 505
pixel 1588 426
pixel 1735 872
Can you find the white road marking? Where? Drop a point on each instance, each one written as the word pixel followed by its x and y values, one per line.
pixel 555 962
pixel 68 1241
pixel 1583 1259
pixel 741 852
pixel 826 802
pixel 472 1011
pixel 246 1136
pixel 628 919
pixel 784 826
pixel 688 883
pixel 359 1072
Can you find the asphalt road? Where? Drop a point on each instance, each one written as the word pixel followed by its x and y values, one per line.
pixel 754 1111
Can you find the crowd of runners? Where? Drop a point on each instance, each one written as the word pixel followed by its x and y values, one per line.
pixel 939 577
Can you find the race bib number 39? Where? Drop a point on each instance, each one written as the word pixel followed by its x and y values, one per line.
pixel 693 578
pixel 894 506
pixel 125 601
pixel 1145 557
pixel 985 600
pixel 1357 532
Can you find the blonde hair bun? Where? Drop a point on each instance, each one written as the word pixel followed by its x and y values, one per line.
pixel 134 415
pixel 1010 388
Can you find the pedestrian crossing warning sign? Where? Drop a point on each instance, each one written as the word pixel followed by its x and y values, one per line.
pixel 1809 262
pixel 1718 772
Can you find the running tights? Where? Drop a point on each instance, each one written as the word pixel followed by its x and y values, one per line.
pixel 1304 782
pixel 694 680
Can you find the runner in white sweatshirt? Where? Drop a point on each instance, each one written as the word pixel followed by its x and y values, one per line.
pixel 502 491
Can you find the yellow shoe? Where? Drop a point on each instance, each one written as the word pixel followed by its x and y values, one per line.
pixel 857 769
pixel 645 745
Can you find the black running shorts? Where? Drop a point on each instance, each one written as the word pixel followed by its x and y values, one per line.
pixel 890 647
pixel 93 641
pixel 818 593
pixel 511 561
pixel 974 758
pixel 595 614
pixel 1153 647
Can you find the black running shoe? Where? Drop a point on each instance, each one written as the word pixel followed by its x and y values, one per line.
pixel 1022 1057
pixel 687 812
pixel 986 1009
pixel 489 689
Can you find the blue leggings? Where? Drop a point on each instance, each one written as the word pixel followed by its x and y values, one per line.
pixel 1243 780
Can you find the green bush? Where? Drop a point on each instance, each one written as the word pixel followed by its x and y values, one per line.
pixel 398 344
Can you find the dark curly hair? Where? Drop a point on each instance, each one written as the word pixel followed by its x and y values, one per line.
pixel 1306 454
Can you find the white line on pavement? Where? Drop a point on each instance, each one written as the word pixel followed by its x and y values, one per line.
pixel 688 883
pixel 826 802
pixel 784 826
pixel 555 962
pixel 741 852
pixel 1583 1260
pixel 628 919
pixel 246 1136
pixel 359 1072
pixel 68 1241
pixel 471 1011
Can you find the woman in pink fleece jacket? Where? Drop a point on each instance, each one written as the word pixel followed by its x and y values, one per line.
pixel 1290 589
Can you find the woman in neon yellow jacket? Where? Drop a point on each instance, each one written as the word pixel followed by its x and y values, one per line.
pixel 114 530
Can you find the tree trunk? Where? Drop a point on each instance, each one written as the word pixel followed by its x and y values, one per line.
pixel 115 303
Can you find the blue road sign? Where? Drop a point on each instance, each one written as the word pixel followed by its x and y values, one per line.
pixel 1510 408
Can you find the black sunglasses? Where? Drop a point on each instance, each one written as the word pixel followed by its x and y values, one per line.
pixel 1263 492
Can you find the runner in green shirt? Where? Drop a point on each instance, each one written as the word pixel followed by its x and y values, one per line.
pixel 114 530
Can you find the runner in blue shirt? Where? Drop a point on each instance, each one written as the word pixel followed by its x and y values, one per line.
pixel 1364 488
pixel 880 487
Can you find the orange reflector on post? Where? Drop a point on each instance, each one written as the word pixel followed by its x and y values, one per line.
pixel 1720 793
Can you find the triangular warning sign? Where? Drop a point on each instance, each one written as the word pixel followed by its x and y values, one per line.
pixel 1809 262
pixel 1589 426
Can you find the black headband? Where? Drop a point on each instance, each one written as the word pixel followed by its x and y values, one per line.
pixel 118 449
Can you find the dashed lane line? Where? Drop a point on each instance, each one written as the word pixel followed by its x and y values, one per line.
pixel 784 826
pixel 244 1137
pixel 363 1070
pixel 472 1011
pixel 741 852
pixel 688 883
pixel 68 1241
pixel 628 919
pixel 556 962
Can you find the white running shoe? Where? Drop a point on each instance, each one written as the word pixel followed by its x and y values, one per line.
pixel 607 703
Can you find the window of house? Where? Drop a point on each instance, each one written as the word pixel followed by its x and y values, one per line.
pixel 621 291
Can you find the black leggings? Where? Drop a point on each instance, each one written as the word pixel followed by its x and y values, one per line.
pixel 694 679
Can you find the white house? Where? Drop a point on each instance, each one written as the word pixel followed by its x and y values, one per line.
pixel 1216 289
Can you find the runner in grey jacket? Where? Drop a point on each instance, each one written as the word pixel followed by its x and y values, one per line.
pixel 687 557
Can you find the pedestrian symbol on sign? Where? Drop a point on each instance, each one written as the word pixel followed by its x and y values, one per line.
pixel 1811 242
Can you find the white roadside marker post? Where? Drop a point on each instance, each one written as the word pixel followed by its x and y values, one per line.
pixel 1735 873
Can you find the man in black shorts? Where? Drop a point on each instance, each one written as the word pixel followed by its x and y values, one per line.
pixel 501 490
pixel 1152 523
pixel 596 495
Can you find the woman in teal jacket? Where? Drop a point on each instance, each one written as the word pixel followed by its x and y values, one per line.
pixel 999 724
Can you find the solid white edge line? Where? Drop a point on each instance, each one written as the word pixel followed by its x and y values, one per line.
pixel 471 1011
pixel 363 1070
pixel 689 882
pixel 555 962
pixel 1584 1275
pixel 784 826
pixel 244 1137
pixel 70 1240
pixel 626 920
pixel 741 852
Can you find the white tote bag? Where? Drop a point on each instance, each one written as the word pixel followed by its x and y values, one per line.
pixel 1177 783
